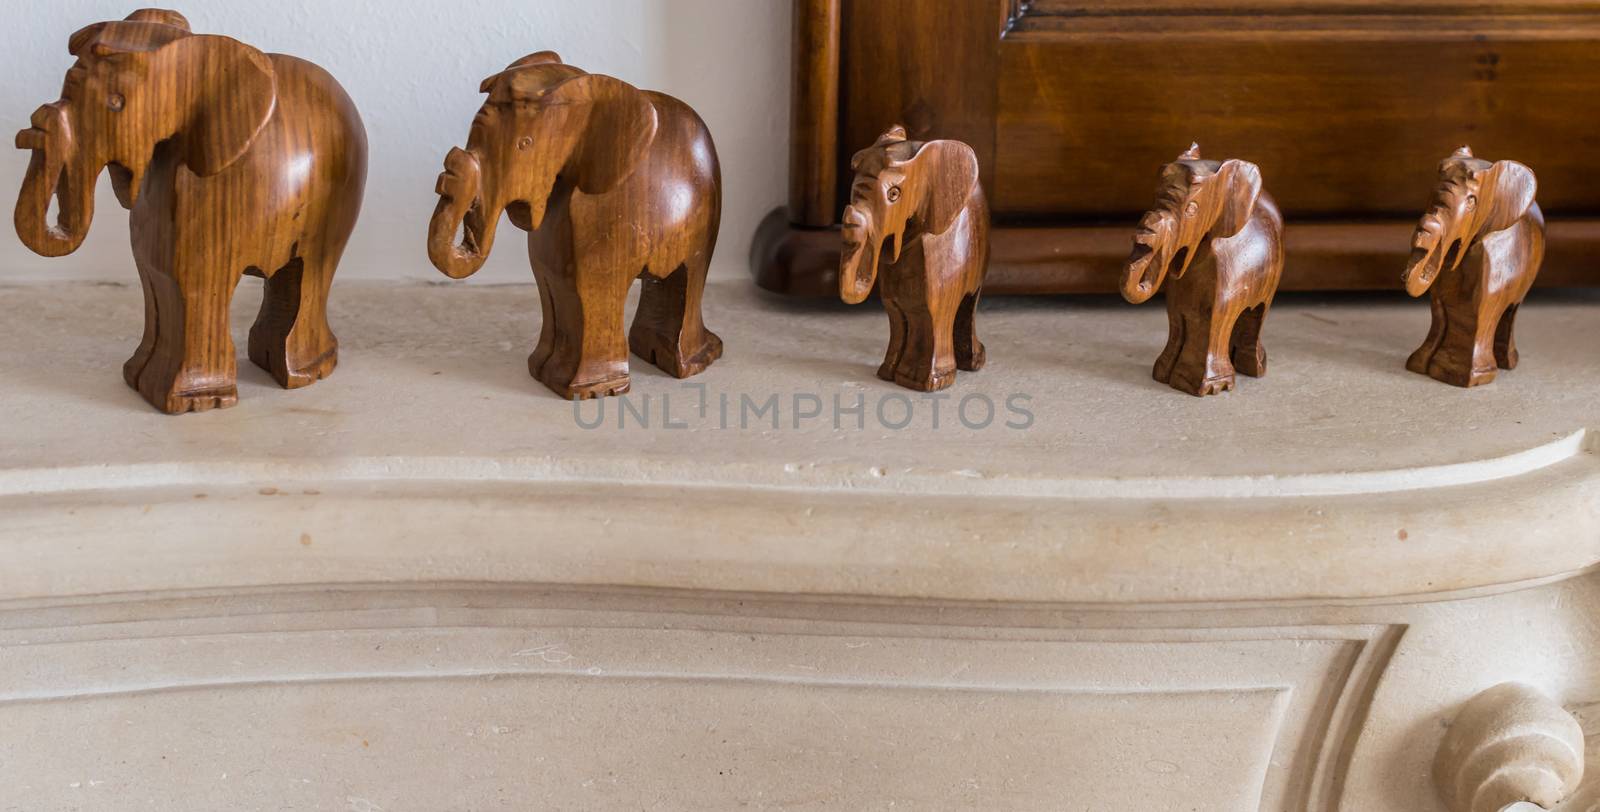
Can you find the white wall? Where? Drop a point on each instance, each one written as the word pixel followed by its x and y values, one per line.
pixel 413 68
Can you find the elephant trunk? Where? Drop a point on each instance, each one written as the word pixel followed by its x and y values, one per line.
pixel 50 176
pixel 1147 265
pixel 463 208
pixel 1427 259
pixel 858 265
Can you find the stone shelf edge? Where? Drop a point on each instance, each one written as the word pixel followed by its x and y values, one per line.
pixel 1336 479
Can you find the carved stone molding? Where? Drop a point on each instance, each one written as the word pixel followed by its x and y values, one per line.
pixel 555 676
pixel 1509 744
pixel 1587 796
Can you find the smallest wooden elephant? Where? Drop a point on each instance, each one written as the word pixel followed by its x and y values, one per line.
pixel 1478 249
pixel 1219 237
pixel 920 202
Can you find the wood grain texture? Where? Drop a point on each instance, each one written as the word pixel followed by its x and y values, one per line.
pixel 933 73
pixel 568 156
pixel 1347 113
pixel 1234 7
pixel 814 114
pixel 920 203
pixel 1477 249
pixel 1217 234
pixel 231 161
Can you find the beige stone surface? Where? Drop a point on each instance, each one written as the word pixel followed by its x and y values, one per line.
pixel 431 430
pixel 421 584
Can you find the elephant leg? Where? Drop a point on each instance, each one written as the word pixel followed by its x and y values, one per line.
pixel 1505 342
pixel 928 363
pixel 552 263
pixel 291 338
pixel 588 352
pixel 1483 340
pixel 970 353
pixel 943 371
pixel 897 339
pixel 1465 356
pixel 1420 358
pixel 1245 349
pixel 147 344
pixel 1219 365
pixel 1167 361
pixel 1203 367
pixel 547 331
pixel 192 365
pixel 916 347
pixel 668 330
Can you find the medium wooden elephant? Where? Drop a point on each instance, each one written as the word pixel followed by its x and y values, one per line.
pixel 1219 236
pixel 1478 249
pixel 611 183
pixel 230 161
pixel 923 203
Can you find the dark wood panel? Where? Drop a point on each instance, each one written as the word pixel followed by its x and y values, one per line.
pixel 1215 26
pixel 1072 105
pixel 1087 259
pixel 1318 256
pixel 1048 8
pixel 814 114
pixel 933 71
pixel 1346 115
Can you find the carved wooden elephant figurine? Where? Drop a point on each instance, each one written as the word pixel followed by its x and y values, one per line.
pixel 611 183
pixel 1218 235
pixel 1478 249
pixel 231 161
pixel 923 203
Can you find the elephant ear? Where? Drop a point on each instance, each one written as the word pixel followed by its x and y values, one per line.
pixel 159 15
pixel 81 38
pixel 144 30
pixel 621 124
pixel 949 171
pixel 1241 188
pixel 227 91
pixel 894 135
pixel 540 58
pixel 871 158
pixel 531 83
pixel 1509 188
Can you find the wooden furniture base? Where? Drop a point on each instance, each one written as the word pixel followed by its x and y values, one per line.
pixel 802 261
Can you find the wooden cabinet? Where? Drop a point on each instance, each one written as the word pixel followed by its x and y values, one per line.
pixel 1346 105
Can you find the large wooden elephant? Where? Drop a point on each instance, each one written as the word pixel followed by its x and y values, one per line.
pixel 231 161
pixel 1219 237
pixel 612 183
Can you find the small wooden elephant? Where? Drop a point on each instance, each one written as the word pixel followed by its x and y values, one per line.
pixel 1485 226
pixel 1215 218
pixel 612 183
pixel 230 161
pixel 923 202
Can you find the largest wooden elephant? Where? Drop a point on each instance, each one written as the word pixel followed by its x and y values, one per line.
pixel 611 183
pixel 231 161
